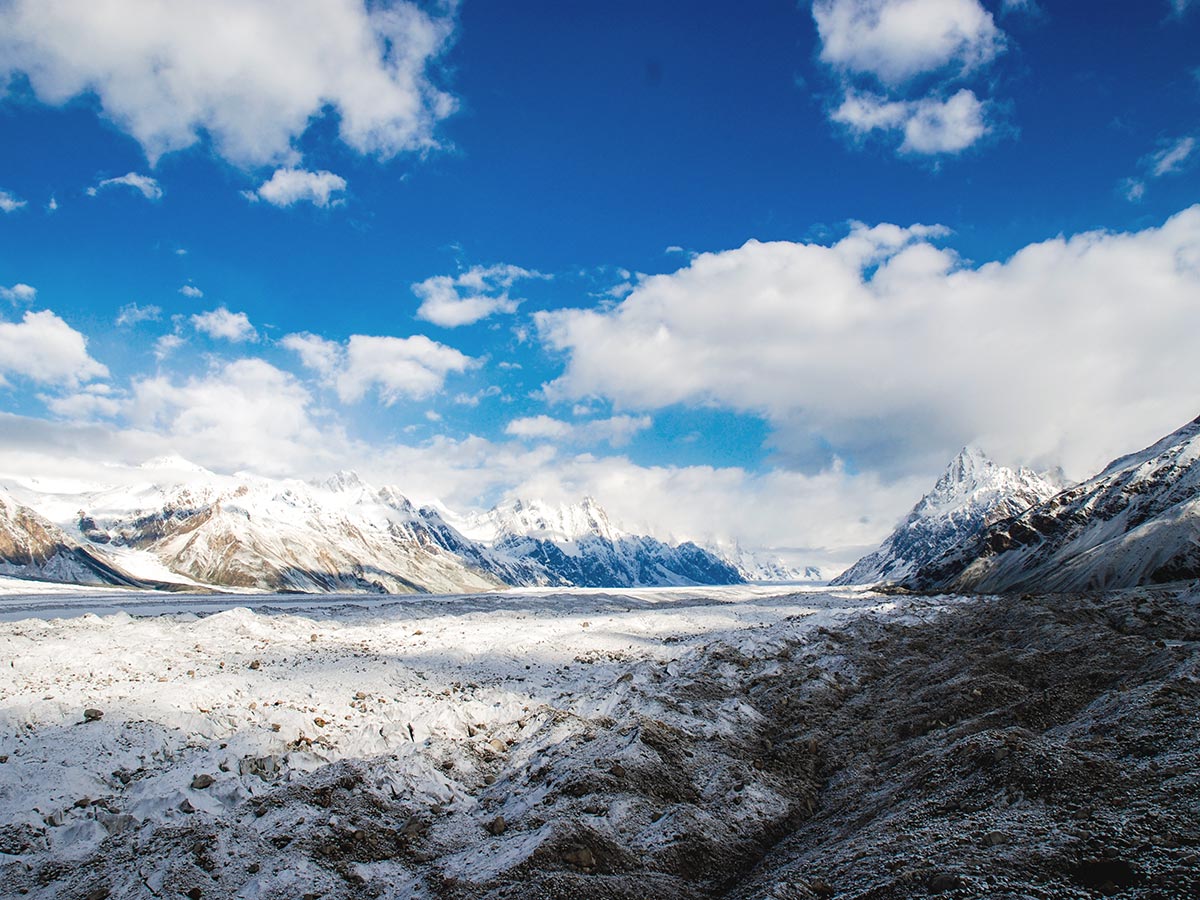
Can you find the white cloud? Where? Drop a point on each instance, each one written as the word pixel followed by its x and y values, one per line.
pixel 95 401
pixel 453 300
pixel 1070 352
pixel 229 326
pixel 145 185
pixel 413 367
pixel 44 348
pixel 287 187
pixel 9 203
pixel 131 314
pixel 917 51
pixel 929 125
pixel 245 414
pixel 52 206
pixel 897 40
pixel 19 293
pixel 315 352
pixel 190 290
pixel 166 345
pixel 250 74
pixel 617 430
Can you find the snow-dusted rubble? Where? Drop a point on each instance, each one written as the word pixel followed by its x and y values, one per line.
pixel 971 494
pixel 736 742
pixel 1136 523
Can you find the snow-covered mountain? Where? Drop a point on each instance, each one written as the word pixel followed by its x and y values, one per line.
pixel 761 565
pixel 1136 523
pixel 970 495
pixel 578 544
pixel 33 547
pixel 182 524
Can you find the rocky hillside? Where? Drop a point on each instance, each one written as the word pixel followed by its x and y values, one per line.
pixel 32 547
pixel 971 494
pixel 1136 523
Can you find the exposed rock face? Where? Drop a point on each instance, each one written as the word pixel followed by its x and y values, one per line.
pixel 32 547
pixel 972 493
pixel 1136 523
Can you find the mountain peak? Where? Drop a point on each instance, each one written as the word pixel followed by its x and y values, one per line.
pixel 344 480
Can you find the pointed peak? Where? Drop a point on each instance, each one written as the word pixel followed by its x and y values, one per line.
pixel 344 480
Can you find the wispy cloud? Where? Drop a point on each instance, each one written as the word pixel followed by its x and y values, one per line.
pixel 145 185
pixel 10 203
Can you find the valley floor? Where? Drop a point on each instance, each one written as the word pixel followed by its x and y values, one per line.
pixel 747 742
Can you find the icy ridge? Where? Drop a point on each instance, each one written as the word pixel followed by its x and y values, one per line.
pixel 1136 523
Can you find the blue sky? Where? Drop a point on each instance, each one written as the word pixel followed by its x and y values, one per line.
pixel 486 249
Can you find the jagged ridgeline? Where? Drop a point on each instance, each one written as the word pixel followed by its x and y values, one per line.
pixel 190 528
pixel 987 529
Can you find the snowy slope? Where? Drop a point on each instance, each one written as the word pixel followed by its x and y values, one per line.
pixel 1136 523
pixel 578 544
pixel 971 494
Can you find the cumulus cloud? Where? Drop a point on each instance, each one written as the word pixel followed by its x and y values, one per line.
pixel 45 349
pixel 132 313
pixel 96 401
pixel 9 203
pixel 453 300
pixel 252 75
pixel 226 325
pixel 190 290
pixel 145 185
pixel 315 352
pixel 915 50
pixel 287 187
pixel 897 40
pixel 890 351
pixel 616 430
pixel 19 293
pixel 244 414
pixel 413 367
pixel 929 125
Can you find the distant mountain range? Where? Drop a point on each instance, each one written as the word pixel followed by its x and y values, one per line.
pixel 988 529
pixel 184 527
